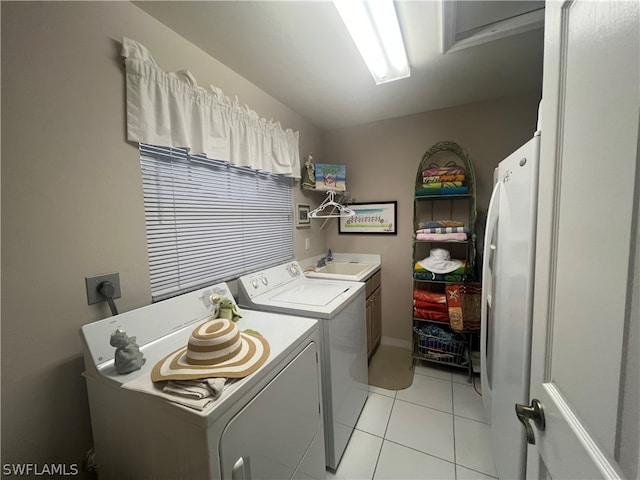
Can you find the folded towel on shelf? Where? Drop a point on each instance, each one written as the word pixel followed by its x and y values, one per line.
pixel 452 170
pixel 443 178
pixel 441 237
pixel 440 277
pixel 443 230
pixel 430 314
pixel 423 192
pixel 442 184
pixel 428 296
pixel 440 223
pixel 436 307
pixel 198 389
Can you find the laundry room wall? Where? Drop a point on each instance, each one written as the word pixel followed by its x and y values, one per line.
pixel 72 202
pixel 382 159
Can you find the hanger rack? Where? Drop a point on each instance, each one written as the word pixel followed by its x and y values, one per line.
pixel 338 210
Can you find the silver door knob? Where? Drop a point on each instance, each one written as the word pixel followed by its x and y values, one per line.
pixel 533 412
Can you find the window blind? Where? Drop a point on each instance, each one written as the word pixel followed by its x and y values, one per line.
pixel 208 221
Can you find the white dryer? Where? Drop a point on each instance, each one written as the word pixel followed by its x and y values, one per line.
pixel 266 425
pixel 340 308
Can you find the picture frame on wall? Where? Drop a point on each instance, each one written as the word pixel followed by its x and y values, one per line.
pixel 371 218
pixel 302 216
pixel 331 177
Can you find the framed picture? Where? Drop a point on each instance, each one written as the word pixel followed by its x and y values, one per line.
pixel 302 216
pixel 378 218
pixel 331 177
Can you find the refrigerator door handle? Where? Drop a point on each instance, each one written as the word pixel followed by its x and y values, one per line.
pixel 487 288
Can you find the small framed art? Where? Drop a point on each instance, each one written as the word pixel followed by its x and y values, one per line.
pixel 302 216
pixel 331 177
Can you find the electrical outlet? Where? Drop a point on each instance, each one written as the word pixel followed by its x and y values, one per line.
pixel 307 243
pixel 92 283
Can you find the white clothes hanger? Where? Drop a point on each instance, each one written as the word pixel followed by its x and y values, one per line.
pixel 342 211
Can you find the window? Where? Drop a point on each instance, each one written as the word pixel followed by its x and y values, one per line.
pixel 209 222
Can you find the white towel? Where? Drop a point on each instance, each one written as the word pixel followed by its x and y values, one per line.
pixel 144 384
pixel 198 389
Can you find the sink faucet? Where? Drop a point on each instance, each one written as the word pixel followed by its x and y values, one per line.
pixel 322 262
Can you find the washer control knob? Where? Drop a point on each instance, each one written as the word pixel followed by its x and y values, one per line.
pixel 264 280
pixel 293 270
pixel 254 282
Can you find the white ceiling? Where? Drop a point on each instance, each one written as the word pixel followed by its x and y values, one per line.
pixel 301 53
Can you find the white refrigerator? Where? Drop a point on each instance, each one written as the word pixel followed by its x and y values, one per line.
pixel 507 279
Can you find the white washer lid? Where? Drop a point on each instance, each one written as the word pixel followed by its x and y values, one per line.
pixel 315 294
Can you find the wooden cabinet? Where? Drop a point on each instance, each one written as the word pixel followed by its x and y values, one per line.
pixel 370 345
pixel 374 311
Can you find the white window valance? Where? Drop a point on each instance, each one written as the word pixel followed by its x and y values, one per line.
pixel 169 109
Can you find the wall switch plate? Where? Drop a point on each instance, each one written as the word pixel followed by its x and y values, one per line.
pixel 307 243
pixel 92 283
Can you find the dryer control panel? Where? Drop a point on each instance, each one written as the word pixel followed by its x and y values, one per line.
pixel 260 282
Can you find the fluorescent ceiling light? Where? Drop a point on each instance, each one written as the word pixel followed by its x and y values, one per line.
pixel 374 27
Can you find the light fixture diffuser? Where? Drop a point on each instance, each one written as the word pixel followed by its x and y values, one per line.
pixel 373 25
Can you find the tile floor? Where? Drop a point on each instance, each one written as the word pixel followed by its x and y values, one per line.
pixel 432 430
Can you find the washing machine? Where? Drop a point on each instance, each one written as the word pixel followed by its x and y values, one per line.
pixel 267 425
pixel 339 307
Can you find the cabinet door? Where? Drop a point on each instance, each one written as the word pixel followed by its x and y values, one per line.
pixel 376 317
pixel 370 341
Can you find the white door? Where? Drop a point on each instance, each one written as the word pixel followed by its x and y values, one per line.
pixel 585 320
